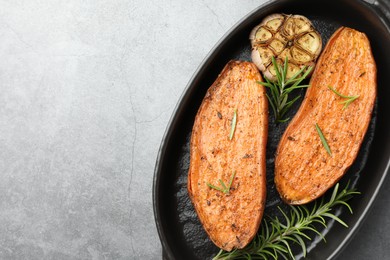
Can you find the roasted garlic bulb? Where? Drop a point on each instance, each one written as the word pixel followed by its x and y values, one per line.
pixel 281 36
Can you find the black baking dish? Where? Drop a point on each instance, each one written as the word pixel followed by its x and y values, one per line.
pixel 181 234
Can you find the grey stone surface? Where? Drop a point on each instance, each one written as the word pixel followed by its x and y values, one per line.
pixel 86 92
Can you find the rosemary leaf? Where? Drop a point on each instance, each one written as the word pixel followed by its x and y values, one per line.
pixel 272 104
pixel 281 88
pixel 349 99
pixel 231 179
pixel 225 189
pixel 274 239
pixel 223 185
pixel 329 215
pixel 215 187
pixel 323 140
pixel 234 122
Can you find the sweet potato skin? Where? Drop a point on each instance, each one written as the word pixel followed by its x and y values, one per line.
pixel 231 220
pixel 303 168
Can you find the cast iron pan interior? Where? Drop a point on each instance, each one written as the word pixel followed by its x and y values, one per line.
pixel 180 231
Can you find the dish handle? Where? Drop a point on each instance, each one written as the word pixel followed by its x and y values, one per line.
pixel 381 7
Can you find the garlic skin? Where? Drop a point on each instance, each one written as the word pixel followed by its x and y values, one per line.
pixel 281 36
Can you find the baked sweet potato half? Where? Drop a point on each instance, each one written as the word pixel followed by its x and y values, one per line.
pixel 226 179
pixel 337 108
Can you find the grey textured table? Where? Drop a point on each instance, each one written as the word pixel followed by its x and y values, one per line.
pixel 87 89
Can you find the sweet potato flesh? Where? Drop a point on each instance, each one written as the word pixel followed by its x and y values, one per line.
pixel 304 170
pixel 231 219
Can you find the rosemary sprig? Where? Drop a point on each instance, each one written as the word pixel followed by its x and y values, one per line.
pixel 234 122
pixel 225 189
pixel 349 99
pixel 282 88
pixel 275 237
pixel 323 140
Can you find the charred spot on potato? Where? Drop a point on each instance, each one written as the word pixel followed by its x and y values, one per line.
pixel 246 156
pixel 219 115
pixel 291 138
pixel 233 227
